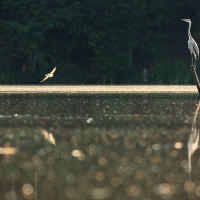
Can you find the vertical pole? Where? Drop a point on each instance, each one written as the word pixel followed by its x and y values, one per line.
pixel 193 69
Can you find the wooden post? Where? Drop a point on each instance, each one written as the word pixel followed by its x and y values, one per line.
pixel 193 69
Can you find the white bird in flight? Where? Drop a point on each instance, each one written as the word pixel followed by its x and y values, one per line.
pixel 48 75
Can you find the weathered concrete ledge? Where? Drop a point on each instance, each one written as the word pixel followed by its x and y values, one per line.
pixel 98 89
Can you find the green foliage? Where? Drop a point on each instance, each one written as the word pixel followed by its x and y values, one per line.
pixel 114 39
pixel 70 75
pixel 170 72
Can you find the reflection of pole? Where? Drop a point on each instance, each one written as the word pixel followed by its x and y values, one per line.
pixel 193 69
pixel 35 185
pixel 193 139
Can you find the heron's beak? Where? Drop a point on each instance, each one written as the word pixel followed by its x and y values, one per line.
pixel 185 20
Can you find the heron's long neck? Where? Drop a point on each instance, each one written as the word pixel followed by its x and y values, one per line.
pixel 189 34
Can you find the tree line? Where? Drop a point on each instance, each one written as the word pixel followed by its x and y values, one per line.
pixel 96 42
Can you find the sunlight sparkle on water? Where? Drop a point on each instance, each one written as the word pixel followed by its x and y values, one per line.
pixel 8 150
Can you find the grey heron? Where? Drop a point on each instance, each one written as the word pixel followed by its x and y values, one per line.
pixel 49 75
pixel 192 45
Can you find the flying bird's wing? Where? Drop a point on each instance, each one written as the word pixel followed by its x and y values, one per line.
pixel 54 69
pixel 45 78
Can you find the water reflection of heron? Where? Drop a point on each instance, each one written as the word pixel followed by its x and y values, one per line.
pixel 192 45
pixel 193 140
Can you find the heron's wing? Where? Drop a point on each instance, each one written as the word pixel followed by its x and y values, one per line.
pixel 45 78
pixel 54 69
pixel 196 49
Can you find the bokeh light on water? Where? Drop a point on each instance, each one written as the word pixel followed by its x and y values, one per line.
pixel 95 146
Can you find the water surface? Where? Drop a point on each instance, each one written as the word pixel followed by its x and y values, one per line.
pixel 99 146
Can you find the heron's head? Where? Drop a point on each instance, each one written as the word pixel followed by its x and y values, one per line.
pixel 187 20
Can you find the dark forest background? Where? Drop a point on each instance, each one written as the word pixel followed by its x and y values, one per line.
pixel 96 41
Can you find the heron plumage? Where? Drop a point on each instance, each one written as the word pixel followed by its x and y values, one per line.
pixel 192 45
